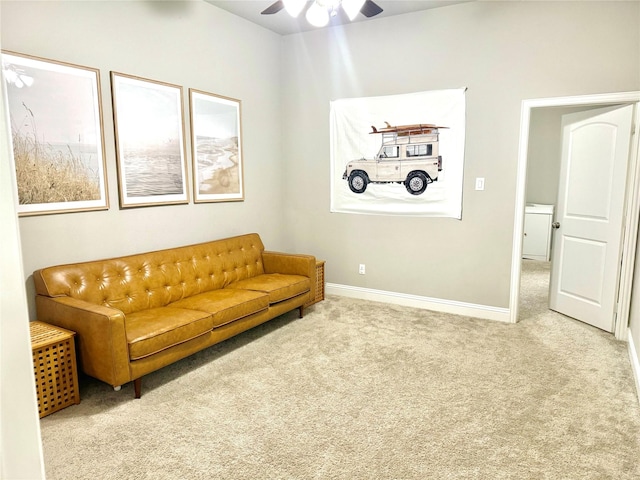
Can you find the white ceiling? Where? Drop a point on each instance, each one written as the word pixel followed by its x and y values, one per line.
pixel 284 24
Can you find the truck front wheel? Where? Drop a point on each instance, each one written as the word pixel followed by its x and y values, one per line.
pixel 358 181
pixel 416 183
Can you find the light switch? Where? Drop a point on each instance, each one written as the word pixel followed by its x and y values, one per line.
pixel 480 183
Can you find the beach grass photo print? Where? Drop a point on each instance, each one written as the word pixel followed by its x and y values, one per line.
pixel 150 148
pixel 56 130
pixel 217 148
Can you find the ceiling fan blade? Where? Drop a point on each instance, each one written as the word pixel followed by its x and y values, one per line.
pixel 273 8
pixel 370 9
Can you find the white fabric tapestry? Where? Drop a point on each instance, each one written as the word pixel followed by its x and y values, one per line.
pixel 398 154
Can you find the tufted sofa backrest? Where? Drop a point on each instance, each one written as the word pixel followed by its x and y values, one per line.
pixel 155 279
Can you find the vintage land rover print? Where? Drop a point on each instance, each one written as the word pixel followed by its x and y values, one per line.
pixel 408 155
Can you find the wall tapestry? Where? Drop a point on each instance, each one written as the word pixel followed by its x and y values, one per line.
pixel 56 130
pixel 216 147
pixel 398 154
pixel 150 150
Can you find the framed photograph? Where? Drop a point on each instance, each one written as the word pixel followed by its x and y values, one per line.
pixel 149 128
pixel 55 112
pixel 216 144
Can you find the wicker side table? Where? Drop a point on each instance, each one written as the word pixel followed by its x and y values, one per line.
pixel 319 283
pixel 54 365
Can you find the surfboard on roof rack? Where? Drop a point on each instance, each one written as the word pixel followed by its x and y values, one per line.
pixel 415 129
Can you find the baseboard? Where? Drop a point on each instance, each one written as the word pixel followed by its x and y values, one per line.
pixel 635 362
pixel 436 304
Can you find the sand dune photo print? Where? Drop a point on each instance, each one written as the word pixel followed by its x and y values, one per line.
pixel 217 148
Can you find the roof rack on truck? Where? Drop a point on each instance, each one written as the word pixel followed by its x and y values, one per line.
pixel 390 133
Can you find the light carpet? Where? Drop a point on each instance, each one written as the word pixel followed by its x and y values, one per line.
pixel 364 390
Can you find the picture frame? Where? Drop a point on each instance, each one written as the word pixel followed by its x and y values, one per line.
pixel 55 112
pixel 216 146
pixel 150 148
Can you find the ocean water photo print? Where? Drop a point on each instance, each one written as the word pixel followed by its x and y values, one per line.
pixel 150 149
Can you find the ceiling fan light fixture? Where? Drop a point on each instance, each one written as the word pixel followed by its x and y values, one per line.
pixel 352 7
pixel 294 7
pixel 329 4
pixel 320 12
pixel 317 16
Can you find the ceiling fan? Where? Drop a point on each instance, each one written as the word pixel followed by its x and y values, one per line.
pixel 320 11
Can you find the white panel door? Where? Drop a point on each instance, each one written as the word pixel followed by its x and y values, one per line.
pixel 587 243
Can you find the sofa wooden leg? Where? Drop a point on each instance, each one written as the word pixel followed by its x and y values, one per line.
pixel 137 387
pixel 301 311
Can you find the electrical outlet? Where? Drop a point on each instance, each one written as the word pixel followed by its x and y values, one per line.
pixel 361 269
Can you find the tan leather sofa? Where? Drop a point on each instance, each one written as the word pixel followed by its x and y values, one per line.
pixel 136 314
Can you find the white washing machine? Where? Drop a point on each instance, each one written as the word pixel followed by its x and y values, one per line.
pixel 536 244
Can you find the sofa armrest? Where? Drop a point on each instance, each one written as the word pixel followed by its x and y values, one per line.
pixel 101 336
pixel 291 264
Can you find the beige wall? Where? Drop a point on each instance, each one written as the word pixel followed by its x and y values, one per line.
pixel 543 156
pixel 504 52
pixel 191 44
pixel 20 448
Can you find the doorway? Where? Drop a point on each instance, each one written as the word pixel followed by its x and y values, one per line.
pixel 535 143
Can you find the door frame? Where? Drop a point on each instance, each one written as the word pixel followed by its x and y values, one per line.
pixel 632 199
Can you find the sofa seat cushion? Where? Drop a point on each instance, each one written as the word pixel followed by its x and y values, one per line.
pixel 156 329
pixel 226 306
pixel 278 286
